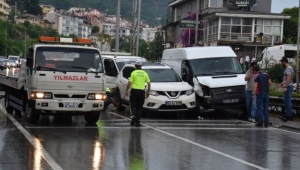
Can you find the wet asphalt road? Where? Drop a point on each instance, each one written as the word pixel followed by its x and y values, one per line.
pixel 168 142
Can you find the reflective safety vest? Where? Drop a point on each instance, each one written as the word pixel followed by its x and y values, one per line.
pixel 107 89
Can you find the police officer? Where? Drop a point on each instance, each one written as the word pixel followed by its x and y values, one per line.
pixel 110 99
pixel 137 81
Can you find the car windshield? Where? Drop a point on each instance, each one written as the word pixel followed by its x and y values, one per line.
pixel 13 58
pixel 68 59
pixel 162 75
pixel 216 66
pixel 122 62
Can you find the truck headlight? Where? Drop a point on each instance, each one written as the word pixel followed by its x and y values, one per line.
pixel 96 96
pixel 41 95
pixel 189 92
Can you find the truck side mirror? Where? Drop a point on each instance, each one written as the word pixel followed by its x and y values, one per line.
pixel 29 62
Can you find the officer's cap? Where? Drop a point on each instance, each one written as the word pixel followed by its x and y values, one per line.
pixel 138 63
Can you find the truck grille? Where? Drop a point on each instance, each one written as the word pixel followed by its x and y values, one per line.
pixel 228 91
pixel 78 96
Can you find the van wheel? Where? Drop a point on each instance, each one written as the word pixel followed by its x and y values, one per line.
pixel 31 114
pixel 121 108
pixel 8 108
pixel 92 117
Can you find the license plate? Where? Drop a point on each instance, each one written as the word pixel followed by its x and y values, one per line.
pixel 173 103
pixel 231 101
pixel 70 105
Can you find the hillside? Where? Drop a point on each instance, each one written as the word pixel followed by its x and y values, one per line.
pixel 150 8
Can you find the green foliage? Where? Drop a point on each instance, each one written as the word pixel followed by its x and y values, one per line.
pixel 276 73
pixel 95 29
pixel 30 6
pixel 290 25
pixel 157 46
pixel 278 92
pixel 151 9
pixel 12 36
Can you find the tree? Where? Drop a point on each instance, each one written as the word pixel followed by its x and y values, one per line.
pixel 157 46
pixel 104 39
pixel 95 29
pixel 143 49
pixel 290 25
pixel 30 6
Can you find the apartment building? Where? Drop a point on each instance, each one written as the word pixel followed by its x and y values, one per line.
pixel 247 26
pixel 69 24
pixel 4 8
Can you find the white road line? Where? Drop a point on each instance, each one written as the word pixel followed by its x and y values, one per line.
pixel 183 128
pixel 197 144
pixel 189 124
pixel 49 127
pixel 34 141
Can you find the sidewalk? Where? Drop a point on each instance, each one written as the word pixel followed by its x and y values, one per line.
pixel 276 122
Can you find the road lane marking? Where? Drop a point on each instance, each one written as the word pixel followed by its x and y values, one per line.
pixel 33 141
pixel 42 127
pixel 197 144
pixel 199 124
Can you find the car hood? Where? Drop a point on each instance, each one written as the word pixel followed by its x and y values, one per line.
pixel 222 80
pixel 170 86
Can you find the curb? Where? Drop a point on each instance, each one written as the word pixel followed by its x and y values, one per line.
pixel 289 124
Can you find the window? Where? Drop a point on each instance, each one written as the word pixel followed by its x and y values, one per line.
pixel 216 66
pixel 190 7
pixel 179 12
pixel 162 75
pixel 186 73
pixel 127 72
pixel 110 68
pixel 226 21
pixel 216 3
pixel 69 59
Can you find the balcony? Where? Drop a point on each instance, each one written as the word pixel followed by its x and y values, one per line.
pixel 236 36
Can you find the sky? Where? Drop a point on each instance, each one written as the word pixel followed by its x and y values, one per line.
pixel 279 5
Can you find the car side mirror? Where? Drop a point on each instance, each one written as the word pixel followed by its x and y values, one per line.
pixel 29 62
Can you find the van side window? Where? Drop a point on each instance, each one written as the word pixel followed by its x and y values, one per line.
pixel 186 73
pixel 110 68
pixel 127 72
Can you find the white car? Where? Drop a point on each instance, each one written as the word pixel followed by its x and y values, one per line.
pixel 169 93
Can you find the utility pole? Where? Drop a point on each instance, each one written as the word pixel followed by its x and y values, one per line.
pixel 298 43
pixel 136 12
pixel 6 36
pixel 197 20
pixel 24 56
pixel 118 26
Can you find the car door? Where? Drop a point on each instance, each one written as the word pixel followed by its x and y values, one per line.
pixel 123 79
pixel 111 72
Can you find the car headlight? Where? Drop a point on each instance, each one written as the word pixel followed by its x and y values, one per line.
pixel 41 95
pixel 189 92
pixel 96 96
pixel 153 93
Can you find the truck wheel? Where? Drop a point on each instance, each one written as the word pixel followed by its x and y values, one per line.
pixel 8 108
pixel 92 117
pixel 32 115
pixel 119 99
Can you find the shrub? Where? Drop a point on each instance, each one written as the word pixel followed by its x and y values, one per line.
pixel 276 73
pixel 279 93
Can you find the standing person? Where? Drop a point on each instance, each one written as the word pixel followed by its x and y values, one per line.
pixel 247 61
pixel 110 98
pixel 251 102
pixel 261 92
pixel 137 80
pixel 287 85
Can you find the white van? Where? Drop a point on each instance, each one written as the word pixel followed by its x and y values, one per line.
pixel 273 55
pixel 114 63
pixel 215 74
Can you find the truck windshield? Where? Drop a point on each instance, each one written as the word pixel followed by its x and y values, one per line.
pixel 162 75
pixel 68 59
pixel 122 62
pixel 216 66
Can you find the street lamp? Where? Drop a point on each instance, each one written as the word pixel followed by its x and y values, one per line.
pixel 6 35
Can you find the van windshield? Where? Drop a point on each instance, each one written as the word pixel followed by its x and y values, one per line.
pixel 162 75
pixel 13 58
pixel 216 66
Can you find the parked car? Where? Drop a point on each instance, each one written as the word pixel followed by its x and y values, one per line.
pixel 169 93
pixel 3 63
pixel 14 61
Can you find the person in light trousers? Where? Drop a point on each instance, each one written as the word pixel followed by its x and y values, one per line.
pixel 251 103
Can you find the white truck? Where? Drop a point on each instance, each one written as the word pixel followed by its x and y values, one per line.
pixel 213 72
pixel 273 55
pixel 60 76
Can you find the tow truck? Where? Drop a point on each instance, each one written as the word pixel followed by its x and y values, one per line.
pixel 60 76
